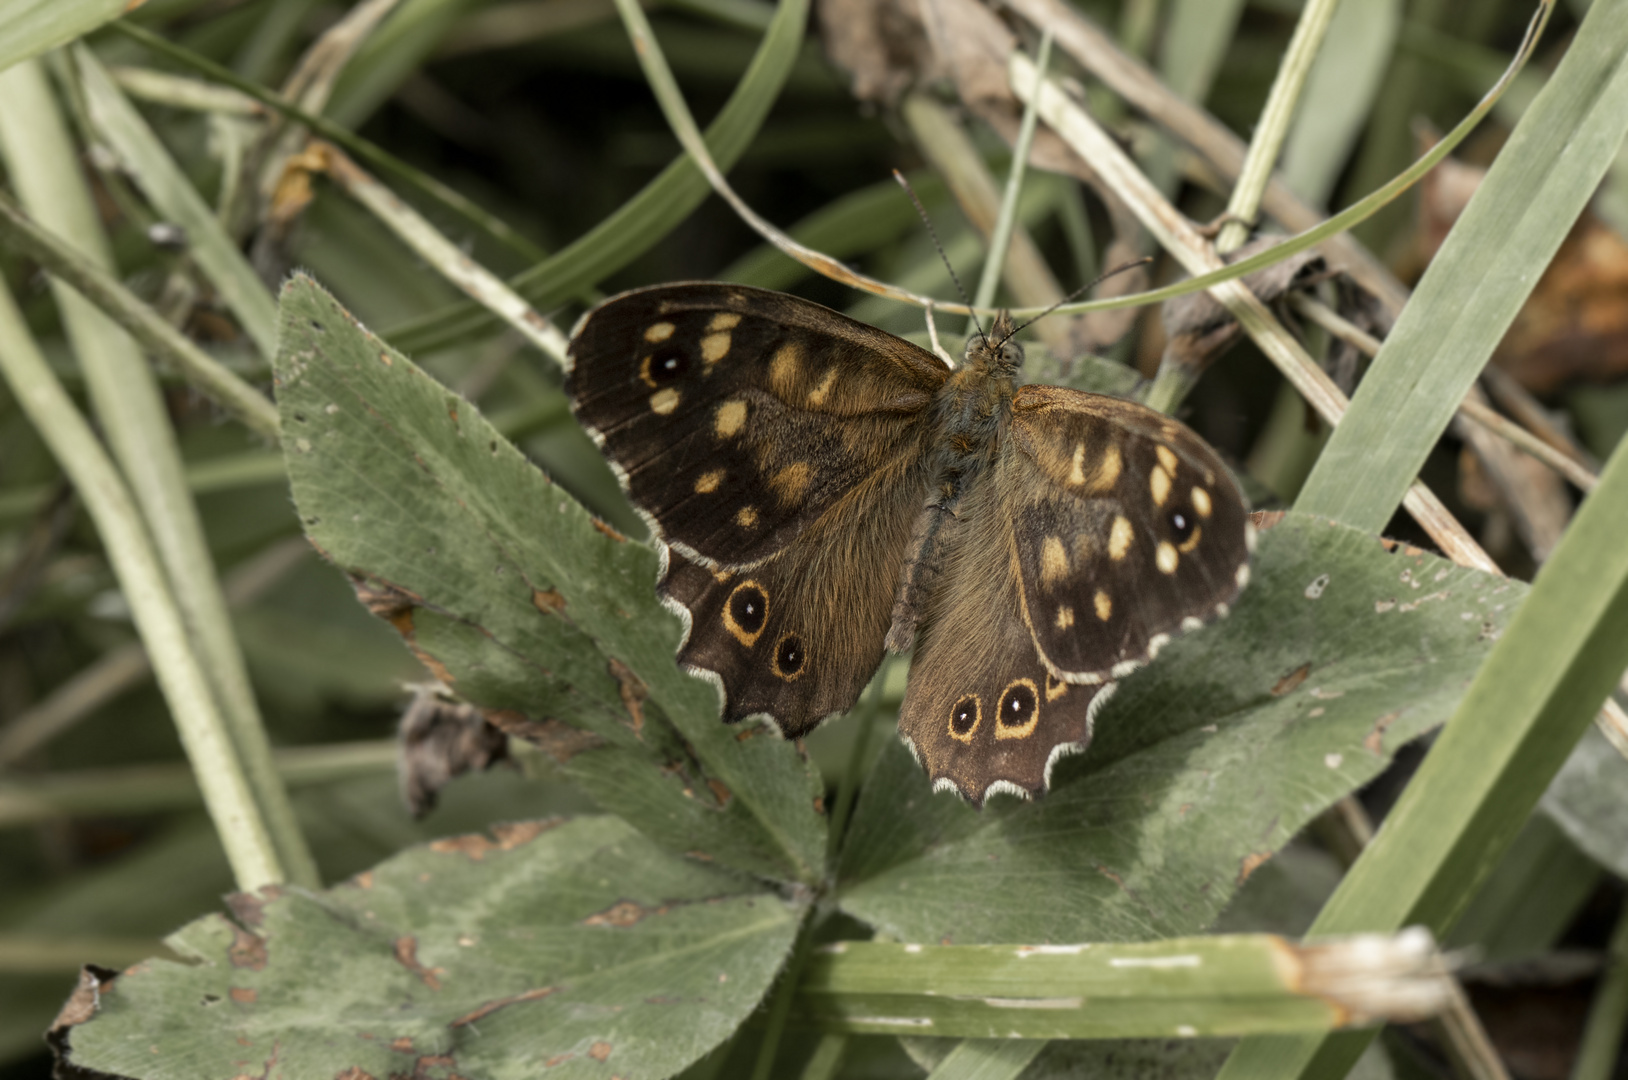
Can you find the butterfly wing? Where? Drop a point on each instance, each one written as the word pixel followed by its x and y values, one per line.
pixel 1126 526
pixel 982 714
pixel 736 417
pixel 798 635
pixel 777 448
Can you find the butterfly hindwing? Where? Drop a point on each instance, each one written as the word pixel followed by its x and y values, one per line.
pixel 798 635
pixel 735 416
pixel 982 714
pixel 1127 529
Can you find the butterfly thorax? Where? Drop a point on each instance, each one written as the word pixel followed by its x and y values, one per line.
pixel 973 409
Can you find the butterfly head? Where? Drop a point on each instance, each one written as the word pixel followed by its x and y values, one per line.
pixel 995 352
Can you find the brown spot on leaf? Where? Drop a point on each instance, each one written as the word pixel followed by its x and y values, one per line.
pixel 406 951
pixel 599 1051
pixel 355 1072
pixel 608 531
pixel 247 950
pixel 494 1005
pixel 1251 863
pixel 558 1059
pixel 81 1004
pixel 1291 681
pixel 562 741
pixel 748 732
pixel 510 835
pixel 720 791
pixel 622 913
pixel 513 834
pixel 364 880
pixel 249 908
pixel 402 1045
pixel 633 692
pixel 1266 519
pixel 244 995
pixel 1374 741
pixel 548 601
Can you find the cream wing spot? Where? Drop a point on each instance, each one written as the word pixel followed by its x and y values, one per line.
pixel 1053 561
pixel 818 395
pixel 1104 605
pixel 1076 469
pixel 663 402
pixel 790 483
pixel 746 517
pixel 1167 458
pixel 708 482
pixel 1065 617
pixel 656 332
pixel 731 417
pixel 784 368
pixel 724 320
pixel 1108 469
pixel 714 347
pixel 1166 557
pixel 1201 502
pixel 1159 485
pixel 1120 537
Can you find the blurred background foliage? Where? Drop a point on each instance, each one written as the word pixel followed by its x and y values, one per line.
pixel 536 110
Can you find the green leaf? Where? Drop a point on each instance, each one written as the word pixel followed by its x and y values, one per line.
pixel 1203 763
pixel 517 598
pixel 581 947
pixel 31 27
pixel 1589 802
pixel 1477 282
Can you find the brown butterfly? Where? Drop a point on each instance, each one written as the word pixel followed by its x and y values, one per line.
pixel 823 490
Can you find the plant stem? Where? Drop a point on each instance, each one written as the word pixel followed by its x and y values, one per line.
pixel 1273 126
pixel 1602 1035
pixel 1006 219
pixel 231 803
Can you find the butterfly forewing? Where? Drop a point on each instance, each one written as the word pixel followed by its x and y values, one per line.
pixel 1127 529
pixel 778 449
pixel 737 416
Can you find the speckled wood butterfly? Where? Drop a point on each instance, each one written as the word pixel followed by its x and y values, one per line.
pixel 823 490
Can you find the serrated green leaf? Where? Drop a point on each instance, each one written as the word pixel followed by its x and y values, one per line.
pixel 517 598
pixel 1203 764
pixel 581 947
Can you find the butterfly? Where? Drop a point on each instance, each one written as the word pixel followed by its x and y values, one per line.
pixel 822 491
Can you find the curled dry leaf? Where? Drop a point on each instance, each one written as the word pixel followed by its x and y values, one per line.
pixel 1198 330
pixel 439 738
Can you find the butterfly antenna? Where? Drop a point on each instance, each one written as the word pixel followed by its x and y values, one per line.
pixel 933 233
pixel 1087 287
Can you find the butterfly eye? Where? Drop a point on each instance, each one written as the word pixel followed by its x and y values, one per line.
pixel 1181 523
pixel 789 656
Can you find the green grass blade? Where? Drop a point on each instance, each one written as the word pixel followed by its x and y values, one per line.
pixel 1531 700
pixel 1338 94
pixel 31 27
pixel 988 1059
pixel 643 220
pixel 1478 281
pixel 1223 984
pixel 173 195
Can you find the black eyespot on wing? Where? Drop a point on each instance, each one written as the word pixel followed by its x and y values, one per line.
pixel 748 607
pixel 667 365
pixel 1181 524
pixel 790 656
pixel 1017 705
pixel 964 717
